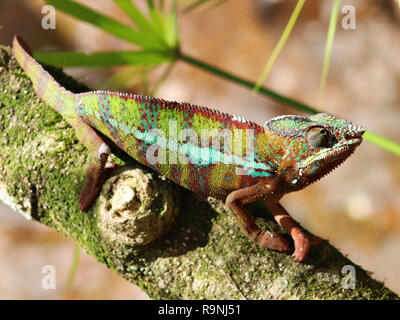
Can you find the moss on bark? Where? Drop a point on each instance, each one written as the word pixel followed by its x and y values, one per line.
pixel 203 256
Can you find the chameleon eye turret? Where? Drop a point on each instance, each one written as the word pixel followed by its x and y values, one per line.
pixel 320 137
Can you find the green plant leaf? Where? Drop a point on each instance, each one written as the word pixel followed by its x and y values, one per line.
pixel 142 21
pixel 158 20
pixel 328 49
pixel 150 4
pixel 105 23
pixel 135 14
pixel 126 78
pixel 101 59
pixel 171 30
pixel 280 44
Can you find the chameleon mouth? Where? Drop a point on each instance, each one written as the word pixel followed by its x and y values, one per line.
pixel 341 150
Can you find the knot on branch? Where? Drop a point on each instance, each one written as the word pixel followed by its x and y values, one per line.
pixel 136 208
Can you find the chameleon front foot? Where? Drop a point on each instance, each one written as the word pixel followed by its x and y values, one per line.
pixel 95 178
pixel 98 170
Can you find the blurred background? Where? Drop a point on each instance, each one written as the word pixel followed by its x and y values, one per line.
pixel 357 207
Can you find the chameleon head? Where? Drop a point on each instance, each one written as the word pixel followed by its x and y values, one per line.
pixel 310 148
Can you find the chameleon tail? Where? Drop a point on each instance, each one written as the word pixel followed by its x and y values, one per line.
pixel 46 87
pixel 63 101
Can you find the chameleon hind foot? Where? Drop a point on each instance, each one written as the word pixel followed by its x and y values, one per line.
pixel 303 243
pixel 272 241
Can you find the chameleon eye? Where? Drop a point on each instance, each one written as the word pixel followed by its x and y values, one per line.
pixel 319 137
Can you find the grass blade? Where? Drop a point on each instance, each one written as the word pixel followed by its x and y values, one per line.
pixel 101 59
pixel 328 50
pixel 74 267
pixel 382 142
pixel 280 45
pixel 105 23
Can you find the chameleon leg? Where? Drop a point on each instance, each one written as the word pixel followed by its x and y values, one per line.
pixel 302 241
pixel 96 172
pixel 235 201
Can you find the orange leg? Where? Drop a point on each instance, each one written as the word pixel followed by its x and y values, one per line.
pixel 302 241
pixel 245 221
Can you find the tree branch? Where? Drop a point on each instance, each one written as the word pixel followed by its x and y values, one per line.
pixel 202 256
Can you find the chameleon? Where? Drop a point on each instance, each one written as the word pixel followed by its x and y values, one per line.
pixel 286 154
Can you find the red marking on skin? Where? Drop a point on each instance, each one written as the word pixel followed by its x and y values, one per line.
pixel 198 174
pixel 176 173
pixel 225 119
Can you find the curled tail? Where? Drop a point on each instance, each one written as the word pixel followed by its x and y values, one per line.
pixel 48 89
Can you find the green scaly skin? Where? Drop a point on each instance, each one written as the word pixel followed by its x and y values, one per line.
pixel 211 153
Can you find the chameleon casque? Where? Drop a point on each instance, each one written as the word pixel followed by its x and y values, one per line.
pixel 288 153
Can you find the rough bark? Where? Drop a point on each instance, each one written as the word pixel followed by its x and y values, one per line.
pixel 202 256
